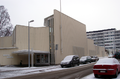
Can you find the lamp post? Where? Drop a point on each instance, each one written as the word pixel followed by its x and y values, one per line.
pixel 61 44
pixel 29 42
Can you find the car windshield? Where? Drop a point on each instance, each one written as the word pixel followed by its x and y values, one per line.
pixel 105 60
pixel 83 57
pixel 68 58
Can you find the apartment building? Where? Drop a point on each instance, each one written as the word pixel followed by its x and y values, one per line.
pixel 108 38
pixel 117 40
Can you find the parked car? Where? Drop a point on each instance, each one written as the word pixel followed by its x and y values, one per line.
pixel 96 58
pixel 106 66
pixel 117 55
pixel 70 60
pixel 110 56
pixel 85 59
pixel 93 58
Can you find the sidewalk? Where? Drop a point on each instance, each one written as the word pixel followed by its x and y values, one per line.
pixel 6 72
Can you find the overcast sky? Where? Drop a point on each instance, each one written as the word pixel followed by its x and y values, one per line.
pixel 95 14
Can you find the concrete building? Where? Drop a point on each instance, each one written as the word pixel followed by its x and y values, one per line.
pixel 108 38
pixel 13 49
pixel 117 40
pixel 62 36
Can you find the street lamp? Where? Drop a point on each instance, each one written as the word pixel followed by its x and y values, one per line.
pixel 29 42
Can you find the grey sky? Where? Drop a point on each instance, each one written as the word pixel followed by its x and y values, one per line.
pixel 95 14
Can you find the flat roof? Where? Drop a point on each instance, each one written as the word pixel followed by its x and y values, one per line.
pixel 101 30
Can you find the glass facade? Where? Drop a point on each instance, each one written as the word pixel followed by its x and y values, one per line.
pixel 49 22
pixel 42 59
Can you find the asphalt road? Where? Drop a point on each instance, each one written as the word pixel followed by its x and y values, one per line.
pixel 78 75
pixel 91 76
pixel 69 73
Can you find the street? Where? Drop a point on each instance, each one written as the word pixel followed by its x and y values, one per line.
pixel 41 72
pixel 91 76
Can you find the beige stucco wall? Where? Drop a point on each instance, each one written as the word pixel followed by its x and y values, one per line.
pixel 102 52
pixel 74 39
pixel 91 47
pixel 95 50
pixel 39 40
pixel 6 41
pixel 8 58
pixel 6 49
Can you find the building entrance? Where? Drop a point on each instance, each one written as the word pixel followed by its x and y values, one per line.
pixel 42 59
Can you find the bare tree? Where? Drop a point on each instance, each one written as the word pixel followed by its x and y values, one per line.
pixel 6 27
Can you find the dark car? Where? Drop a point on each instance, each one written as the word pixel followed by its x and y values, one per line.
pixel 117 55
pixel 94 58
pixel 70 60
pixel 85 59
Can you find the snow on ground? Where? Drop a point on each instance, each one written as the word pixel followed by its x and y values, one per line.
pixel 103 57
pixel 6 72
pixel 91 76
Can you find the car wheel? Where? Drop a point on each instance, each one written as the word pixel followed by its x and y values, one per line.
pixel 62 66
pixel 96 76
pixel 71 65
pixel 116 74
pixel 76 64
